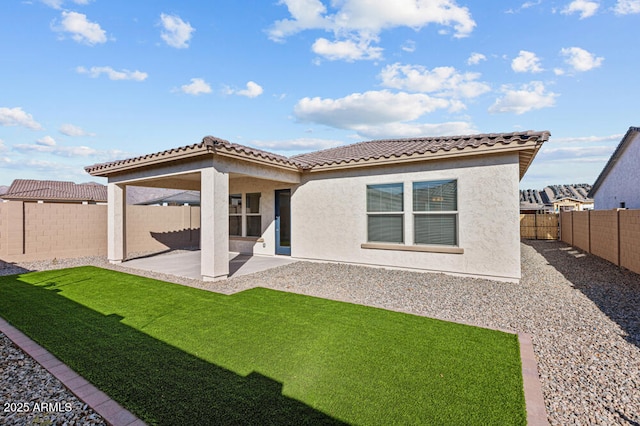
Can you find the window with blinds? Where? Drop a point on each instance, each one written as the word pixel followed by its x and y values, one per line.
pixel 235 214
pixel 385 213
pixel 254 218
pixel 435 212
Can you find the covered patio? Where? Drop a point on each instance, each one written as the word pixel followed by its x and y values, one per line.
pixel 240 189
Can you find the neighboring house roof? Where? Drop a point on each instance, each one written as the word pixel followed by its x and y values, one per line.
pixel 185 197
pixel 578 200
pixel 626 140
pixel 52 190
pixel 379 152
pixel 552 193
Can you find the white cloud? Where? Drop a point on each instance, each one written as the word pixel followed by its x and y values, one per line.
pixel 17 117
pixel 300 144
pixel 627 7
pixel 525 5
pixel 3 147
pixel 71 130
pixel 442 81
pixel 356 23
pixel 196 87
pixel 113 74
pixel 252 90
pixel 348 50
pixel 416 130
pixel 529 97
pixel 577 153
pixel 176 33
pixel 81 30
pixel 47 145
pixel 587 139
pixel 373 108
pixel 46 141
pixel 585 8
pixel 526 62
pixel 476 58
pixel 409 46
pixel 57 4
pixel 580 59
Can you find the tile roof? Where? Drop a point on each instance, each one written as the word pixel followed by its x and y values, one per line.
pixel 30 189
pixel 209 144
pixel 361 152
pixel 404 147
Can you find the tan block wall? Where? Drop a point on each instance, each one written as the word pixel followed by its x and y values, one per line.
pixel 630 240
pixel 603 226
pixel 566 227
pixel 59 230
pixel 581 230
pixel 157 228
pixel 65 230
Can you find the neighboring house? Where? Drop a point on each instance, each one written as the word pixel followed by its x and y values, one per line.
pixel 531 208
pixel 184 198
pixel 556 198
pixel 568 204
pixel 45 191
pixel 445 204
pixel 618 185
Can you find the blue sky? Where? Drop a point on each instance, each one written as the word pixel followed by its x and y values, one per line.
pixel 88 81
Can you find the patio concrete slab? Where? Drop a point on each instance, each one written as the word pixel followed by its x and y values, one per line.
pixel 187 263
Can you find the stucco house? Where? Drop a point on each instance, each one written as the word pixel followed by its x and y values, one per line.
pixel 445 204
pixel 618 185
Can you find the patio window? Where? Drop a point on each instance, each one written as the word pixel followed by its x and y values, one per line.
pixel 435 212
pixel 253 216
pixel 385 213
pixel 235 214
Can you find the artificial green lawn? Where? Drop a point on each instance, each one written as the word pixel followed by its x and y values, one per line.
pixel 178 355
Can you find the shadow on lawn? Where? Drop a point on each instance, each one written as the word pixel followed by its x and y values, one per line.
pixel 614 290
pixel 158 382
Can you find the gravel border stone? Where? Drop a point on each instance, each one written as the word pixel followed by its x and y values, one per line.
pixel 581 311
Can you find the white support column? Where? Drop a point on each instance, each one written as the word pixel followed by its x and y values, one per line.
pixel 116 223
pixel 214 224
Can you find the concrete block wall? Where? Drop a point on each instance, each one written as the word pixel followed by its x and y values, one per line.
pixel 566 227
pixel 630 239
pixel 603 228
pixel 157 228
pixel 613 235
pixel 44 231
pixel 64 230
pixel 581 230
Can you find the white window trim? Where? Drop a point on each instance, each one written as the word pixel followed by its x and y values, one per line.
pixel 412 231
pixel 398 213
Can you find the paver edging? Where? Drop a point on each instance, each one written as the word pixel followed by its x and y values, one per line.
pixel 112 412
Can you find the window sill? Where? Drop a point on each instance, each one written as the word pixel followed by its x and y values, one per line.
pixel 402 247
pixel 252 239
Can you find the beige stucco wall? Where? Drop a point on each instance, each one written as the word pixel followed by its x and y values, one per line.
pixel 623 180
pixel 329 220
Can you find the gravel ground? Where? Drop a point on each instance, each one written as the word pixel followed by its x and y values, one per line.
pixel 582 312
